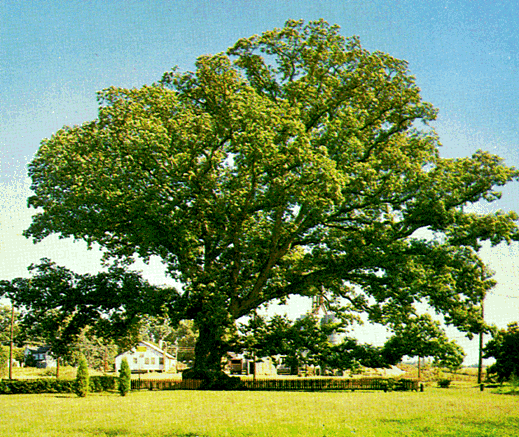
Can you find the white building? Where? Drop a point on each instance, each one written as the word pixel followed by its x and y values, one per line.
pixel 239 365
pixel 41 356
pixel 146 357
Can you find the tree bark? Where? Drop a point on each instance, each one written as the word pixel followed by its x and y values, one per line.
pixel 209 349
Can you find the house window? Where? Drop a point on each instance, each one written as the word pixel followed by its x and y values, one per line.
pixel 153 360
pixel 161 361
pixel 147 361
pixel 135 360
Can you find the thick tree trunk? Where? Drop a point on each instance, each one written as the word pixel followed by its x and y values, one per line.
pixel 209 351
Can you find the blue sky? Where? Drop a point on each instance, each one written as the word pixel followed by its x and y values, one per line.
pixel 55 55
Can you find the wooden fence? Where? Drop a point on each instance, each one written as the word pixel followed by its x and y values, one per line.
pixel 287 384
pixel 165 384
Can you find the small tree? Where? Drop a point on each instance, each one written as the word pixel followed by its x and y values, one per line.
pixel 423 337
pixel 82 378
pixel 504 347
pixel 124 378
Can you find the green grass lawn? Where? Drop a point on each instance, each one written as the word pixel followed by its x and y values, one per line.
pixel 452 412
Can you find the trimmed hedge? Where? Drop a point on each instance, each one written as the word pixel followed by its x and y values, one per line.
pixel 47 385
pixel 110 383
pixel 281 384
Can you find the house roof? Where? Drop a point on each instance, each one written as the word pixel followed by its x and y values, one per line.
pixel 39 349
pixel 151 346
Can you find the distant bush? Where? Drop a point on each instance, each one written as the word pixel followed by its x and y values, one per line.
pixel 444 383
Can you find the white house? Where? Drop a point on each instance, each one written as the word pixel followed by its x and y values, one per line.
pixel 41 356
pixel 146 357
pixel 239 365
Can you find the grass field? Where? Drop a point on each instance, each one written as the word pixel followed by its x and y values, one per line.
pixel 456 412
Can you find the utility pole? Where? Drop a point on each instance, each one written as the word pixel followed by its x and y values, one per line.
pixel 11 344
pixel 480 361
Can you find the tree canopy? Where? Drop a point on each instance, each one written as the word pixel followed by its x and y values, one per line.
pixel 57 306
pixel 504 347
pixel 423 337
pixel 297 161
pixel 308 341
pixel 5 324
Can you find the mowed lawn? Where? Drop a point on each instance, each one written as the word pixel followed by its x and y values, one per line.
pixel 435 412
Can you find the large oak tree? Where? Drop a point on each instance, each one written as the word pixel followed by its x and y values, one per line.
pixel 296 161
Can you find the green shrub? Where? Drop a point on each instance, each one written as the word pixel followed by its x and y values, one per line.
pixel 82 385
pixel 124 378
pixel 102 383
pixel 444 383
pixel 33 386
pixel 46 385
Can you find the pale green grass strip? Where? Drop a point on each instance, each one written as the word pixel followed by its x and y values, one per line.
pixel 452 412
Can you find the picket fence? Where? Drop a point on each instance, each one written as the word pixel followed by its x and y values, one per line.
pixel 299 384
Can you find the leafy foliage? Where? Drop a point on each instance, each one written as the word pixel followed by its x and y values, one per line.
pixel 180 339
pixel 4 360
pixel 444 383
pixel 297 161
pixel 99 352
pixel 125 381
pixel 61 308
pixel 504 347
pixel 5 324
pixel 423 337
pixel 306 341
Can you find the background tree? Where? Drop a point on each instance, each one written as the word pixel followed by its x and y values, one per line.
pixel 294 162
pixel 156 329
pixel 4 360
pixel 64 310
pixel 423 337
pixel 504 347
pixel 5 324
pixel 99 352
pixel 306 341
pixel 182 340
